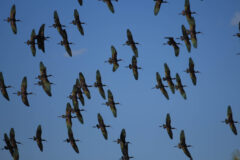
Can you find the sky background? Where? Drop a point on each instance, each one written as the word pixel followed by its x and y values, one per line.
pixel 142 109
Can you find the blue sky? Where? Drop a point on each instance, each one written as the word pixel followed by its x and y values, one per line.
pixel 142 109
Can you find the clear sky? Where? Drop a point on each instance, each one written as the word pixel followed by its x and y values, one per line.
pixel 142 109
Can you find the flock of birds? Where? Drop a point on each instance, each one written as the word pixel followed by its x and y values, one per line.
pixel 80 88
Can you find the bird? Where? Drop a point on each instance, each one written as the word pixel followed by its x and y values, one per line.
pixel 229 120
pixel 168 78
pixel 71 140
pixel 38 138
pixel 111 103
pixel 98 84
pixel 134 67
pixel 109 4
pixel 77 22
pixel 160 86
pixel 65 42
pixel 84 86
pixel 68 116
pixel 168 126
pixel 185 38
pixel 131 42
pixel 192 71
pixel 40 37
pixel 182 145
pixel 3 87
pixel 113 60
pixel 180 87
pixel 171 42
pixel 102 126
pixel 32 43
pixel 158 5
pixel 23 93
pixel 12 19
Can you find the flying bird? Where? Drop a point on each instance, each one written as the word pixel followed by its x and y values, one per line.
pixel 98 84
pixel 113 60
pixel 38 138
pixel 32 43
pixel 44 82
pixel 68 116
pixel 187 11
pixel 160 85
pixel 230 120
pixel 71 140
pixel 171 42
pixel 8 145
pixel 41 38
pixel 111 103
pixel 182 145
pixel 12 19
pixel 134 67
pixel 109 4
pixel 185 38
pixel 23 93
pixel 193 33
pixel 158 5
pixel 102 126
pixel 168 126
pixel 80 2
pixel 65 42
pixel 3 87
pixel 180 87
pixel 168 78
pixel 123 143
pixel 14 144
pixel 131 42
pixel 57 23
pixel 77 22
pixel 84 85
pixel 192 71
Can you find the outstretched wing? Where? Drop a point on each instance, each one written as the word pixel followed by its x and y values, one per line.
pixel 176 50
pixel 68 49
pixel 167 70
pixel 43 69
pixel 12 16
pixel 114 53
pixel 129 35
pixel 135 73
pixel 158 78
pixel 232 126
pixel 101 91
pixel 113 109
pixel 187 6
pixel 76 14
pixel 170 134
pixel 182 137
pixel 24 90
pixel 98 77
pixel 2 87
pixel 186 151
pixel 56 18
pixel 110 6
pixel 168 120
pixel 100 119
pixel 80 2
pixel 157 7
pixel 191 64
pixel 123 135
pixel 33 48
pixel 115 66
pixel 77 20
pixel 79 116
pixel 39 132
pixel 110 96
pixel 47 87
pixel 229 113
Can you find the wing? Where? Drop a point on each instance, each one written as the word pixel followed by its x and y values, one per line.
pixel 80 28
pixel 64 34
pixel 75 147
pixel 135 50
pixel 47 87
pixel 229 113
pixel 24 85
pixel 194 40
pixel 81 78
pixel 41 30
pixel 40 145
pixel 86 92
pixel 167 70
pixel 186 151
pixel 171 85
pixel 129 35
pixel 101 91
pixel 134 61
pixel 104 132
pixel 114 110
pixel 191 64
pixel 176 50
pixel 187 5
pixel 39 132
pixel 158 78
pixel 110 96
pixel 186 38
pixel 68 115
pixel 123 135
pixel 157 7
pixel 114 53
pixel 56 18
pixel 33 48
pixel 193 77
pixel 164 92
pixel 79 116
pixel 135 73
pixel 2 87
pixel 178 80
pixel 183 93
pixel 98 77
pixel 182 137
pixel 100 120
pixel 43 69
pixel 76 15
pixel 25 99
pixel 12 16
pixel 110 6
pixel 234 130
pixel 115 66
pixel 68 49
pixel 8 144
pixel 80 2
pixel 169 130
pixel 168 120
